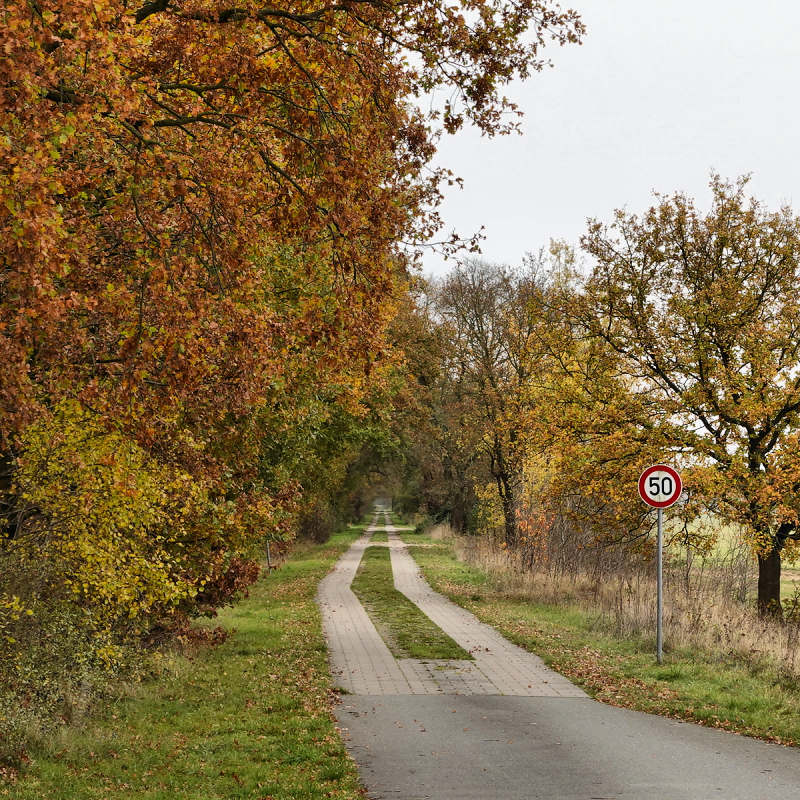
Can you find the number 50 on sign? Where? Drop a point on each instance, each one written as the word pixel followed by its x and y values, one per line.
pixel 660 486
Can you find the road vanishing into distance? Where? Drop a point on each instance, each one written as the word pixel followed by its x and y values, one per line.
pixel 504 726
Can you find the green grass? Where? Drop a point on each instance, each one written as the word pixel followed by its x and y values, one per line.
pixel 379 537
pixel 729 538
pixel 755 699
pixel 406 630
pixel 248 719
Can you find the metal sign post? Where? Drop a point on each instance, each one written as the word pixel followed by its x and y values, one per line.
pixel 660 486
pixel 660 589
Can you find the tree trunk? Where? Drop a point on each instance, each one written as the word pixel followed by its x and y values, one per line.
pixel 769 583
pixel 458 514
pixel 7 501
pixel 509 515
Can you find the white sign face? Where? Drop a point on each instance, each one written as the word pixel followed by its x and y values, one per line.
pixel 660 486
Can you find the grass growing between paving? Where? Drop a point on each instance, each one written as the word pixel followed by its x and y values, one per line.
pixel 756 700
pixel 248 719
pixel 408 632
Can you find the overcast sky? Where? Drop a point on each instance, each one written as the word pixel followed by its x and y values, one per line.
pixel 660 93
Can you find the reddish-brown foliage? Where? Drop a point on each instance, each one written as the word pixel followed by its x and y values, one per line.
pixel 227 582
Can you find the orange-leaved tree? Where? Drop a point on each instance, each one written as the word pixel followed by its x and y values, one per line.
pixel 702 312
pixel 152 154
pixel 147 151
pixel 205 213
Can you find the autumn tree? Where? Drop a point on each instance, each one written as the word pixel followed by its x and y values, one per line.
pixel 439 458
pixel 587 436
pixel 203 203
pixel 492 315
pixel 702 312
pixel 147 149
pixel 206 210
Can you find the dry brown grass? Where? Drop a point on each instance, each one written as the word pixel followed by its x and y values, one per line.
pixel 705 602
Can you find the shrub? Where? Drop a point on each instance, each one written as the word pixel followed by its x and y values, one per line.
pixel 56 664
pixel 108 549
pixel 317 523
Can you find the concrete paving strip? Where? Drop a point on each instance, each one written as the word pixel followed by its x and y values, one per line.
pixel 503 667
pixel 361 663
pixel 360 660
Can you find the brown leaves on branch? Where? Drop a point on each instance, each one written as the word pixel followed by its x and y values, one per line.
pixel 206 214
pixel 147 151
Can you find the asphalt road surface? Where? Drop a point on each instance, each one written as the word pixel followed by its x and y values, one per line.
pixel 504 727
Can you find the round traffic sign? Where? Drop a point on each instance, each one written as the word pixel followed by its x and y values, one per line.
pixel 660 486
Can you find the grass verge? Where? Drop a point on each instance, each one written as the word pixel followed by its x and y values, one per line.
pixel 407 631
pixel 248 719
pixel 750 698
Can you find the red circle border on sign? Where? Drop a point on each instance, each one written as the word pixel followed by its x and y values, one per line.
pixel 675 476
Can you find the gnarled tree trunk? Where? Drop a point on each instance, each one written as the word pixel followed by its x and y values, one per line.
pixel 769 583
pixel 508 499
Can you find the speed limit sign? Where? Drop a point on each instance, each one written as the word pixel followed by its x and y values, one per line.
pixel 660 486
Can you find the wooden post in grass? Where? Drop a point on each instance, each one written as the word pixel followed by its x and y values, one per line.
pixel 269 560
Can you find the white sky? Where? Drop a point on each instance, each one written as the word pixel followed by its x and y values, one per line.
pixel 660 93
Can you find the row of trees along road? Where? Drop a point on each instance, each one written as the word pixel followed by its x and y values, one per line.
pixel 206 209
pixel 557 386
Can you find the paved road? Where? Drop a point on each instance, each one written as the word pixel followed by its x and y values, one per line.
pixel 362 664
pixel 504 727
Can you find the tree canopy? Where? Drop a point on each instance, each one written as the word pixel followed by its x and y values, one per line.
pixel 702 310
pixel 678 343
pixel 208 212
